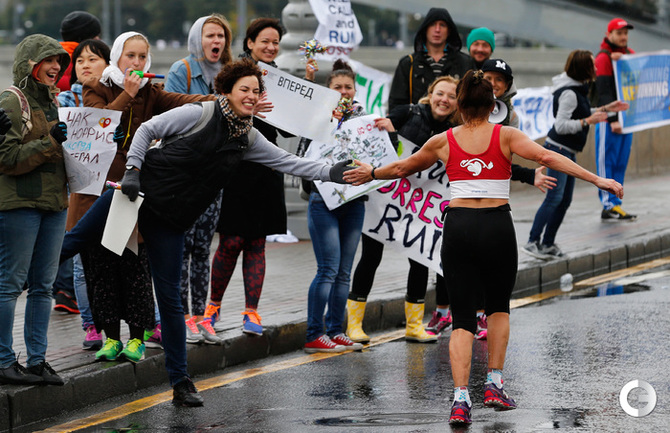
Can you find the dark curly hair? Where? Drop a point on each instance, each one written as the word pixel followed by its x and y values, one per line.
pixel 96 46
pixel 475 96
pixel 230 73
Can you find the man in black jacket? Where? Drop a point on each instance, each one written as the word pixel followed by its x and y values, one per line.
pixel 437 46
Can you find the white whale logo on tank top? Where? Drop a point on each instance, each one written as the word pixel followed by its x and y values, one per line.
pixel 476 165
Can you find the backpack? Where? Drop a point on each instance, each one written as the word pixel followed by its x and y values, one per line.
pixel 26 124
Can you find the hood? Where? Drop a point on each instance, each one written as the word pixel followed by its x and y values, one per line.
pixel 32 50
pixel 438 14
pixel 563 80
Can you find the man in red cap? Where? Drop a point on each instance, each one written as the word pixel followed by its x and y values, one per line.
pixel 612 147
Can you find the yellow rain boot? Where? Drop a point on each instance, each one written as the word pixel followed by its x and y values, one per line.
pixel 355 313
pixel 414 330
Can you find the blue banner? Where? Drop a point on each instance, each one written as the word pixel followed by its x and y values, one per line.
pixel 642 81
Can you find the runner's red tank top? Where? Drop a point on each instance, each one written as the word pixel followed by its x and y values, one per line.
pixel 486 175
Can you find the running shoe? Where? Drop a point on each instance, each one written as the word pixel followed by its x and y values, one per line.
pixel 110 350
pixel 497 398
pixel 193 335
pixel 439 323
pixel 617 214
pixel 345 341
pixel 93 339
pixel 533 248
pixel 133 352
pixel 205 328
pixel 212 312
pixel 482 328
pixel 154 339
pixel 323 344
pixel 66 303
pixel 251 324
pixel 551 251
pixel 460 413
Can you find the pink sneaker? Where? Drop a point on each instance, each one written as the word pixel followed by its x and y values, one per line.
pixel 93 339
pixel 482 328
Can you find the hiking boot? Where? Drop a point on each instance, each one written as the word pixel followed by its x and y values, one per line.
pixel 193 336
pixel 345 341
pixel 205 328
pixel 324 345
pixel 617 214
pixel 551 251
pixel 439 323
pixel 497 398
pixel 153 339
pixel 93 339
pixel 16 374
pixel 533 248
pixel 184 393
pixel 460 413
pixel 66 303
pixel 251 323
pixel 133 352
pixel 110 350
pixel 48 374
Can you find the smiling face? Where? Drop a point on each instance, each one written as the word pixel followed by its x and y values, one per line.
pixel 244 95
pixel 48 71
pixel 345 85
pixel 134 55
pixel 266 46
pixel 498 82
pixel 89 64
pixel 443 100
pixel 480 51
pixel 213 41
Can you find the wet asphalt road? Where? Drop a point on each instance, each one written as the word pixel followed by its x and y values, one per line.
pixel 568 359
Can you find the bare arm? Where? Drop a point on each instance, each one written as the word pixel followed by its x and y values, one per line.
pixel 520 144
pixel 428 155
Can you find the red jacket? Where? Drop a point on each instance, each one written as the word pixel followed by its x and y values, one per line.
pixel 605 85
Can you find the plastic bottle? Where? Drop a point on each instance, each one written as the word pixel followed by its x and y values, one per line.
pixel 566 282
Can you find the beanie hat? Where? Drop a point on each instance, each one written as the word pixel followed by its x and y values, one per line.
pixel 482 34
pixel 79 25
pixel 498 65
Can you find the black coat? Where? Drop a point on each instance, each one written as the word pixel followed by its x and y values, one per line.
pixel 253 204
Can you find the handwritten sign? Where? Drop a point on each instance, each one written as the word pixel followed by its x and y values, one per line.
pixel 90 142
pixel 407 213
pixel 300 106
pixel 372 88
pixel 338 27
pixel 534 106
pixel 357 138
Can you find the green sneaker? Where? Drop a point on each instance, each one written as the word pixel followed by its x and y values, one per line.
pixel 110 350
pixel 134 351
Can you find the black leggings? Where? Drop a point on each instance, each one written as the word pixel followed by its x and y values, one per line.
pixel 417 279
pixel 479 255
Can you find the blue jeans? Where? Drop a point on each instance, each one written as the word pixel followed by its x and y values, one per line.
pixel 81 294
pixel 30 240
pixel 335 235
pixel 556 203
pixel 612 153
pixel 164 246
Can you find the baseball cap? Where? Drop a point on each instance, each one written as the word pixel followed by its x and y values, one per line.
pixel 618 23
pixel 498 65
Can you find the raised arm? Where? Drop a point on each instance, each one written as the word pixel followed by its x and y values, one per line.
pixel 520 144
pixel 434 149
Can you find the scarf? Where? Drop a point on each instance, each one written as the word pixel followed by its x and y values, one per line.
pixel 209 69
pixel 112 73
pixel 237 126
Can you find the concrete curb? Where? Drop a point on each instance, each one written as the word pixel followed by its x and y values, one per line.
pixel 23 406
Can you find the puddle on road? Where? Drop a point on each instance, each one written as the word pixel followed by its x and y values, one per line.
pixel 608 289
pixel 383 419
pixel 563 418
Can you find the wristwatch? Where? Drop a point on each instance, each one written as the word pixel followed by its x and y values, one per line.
pixel 132 167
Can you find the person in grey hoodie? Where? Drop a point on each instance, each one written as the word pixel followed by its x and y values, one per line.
pixel 567 136
pixel 437 52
